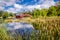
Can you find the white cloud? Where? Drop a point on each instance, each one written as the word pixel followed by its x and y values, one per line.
pixel 2 4
pixel 47 4
pixel 8 2
pixel 14 10
pixel 1 8
pixel 32 7
pixel 11 10
pixel 18 6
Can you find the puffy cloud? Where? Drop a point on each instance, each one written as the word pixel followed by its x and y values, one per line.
pixel 47 4
pixel 14 10
pixel 18 6
pixel 11 10
pixel 39 5
pixel 1 8
pixel 2 4
pixel 8 2
pixel 32 7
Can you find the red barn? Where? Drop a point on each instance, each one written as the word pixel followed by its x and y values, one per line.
pixel 22 15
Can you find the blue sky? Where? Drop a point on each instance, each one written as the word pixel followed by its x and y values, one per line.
pixel 21 5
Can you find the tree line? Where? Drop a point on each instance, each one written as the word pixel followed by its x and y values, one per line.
pixel 51 11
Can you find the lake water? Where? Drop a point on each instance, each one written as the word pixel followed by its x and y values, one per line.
pixel 20 27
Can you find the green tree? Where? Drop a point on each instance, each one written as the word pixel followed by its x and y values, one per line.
pixel 52 11
pixel 36 13
pixel 1 12
pixel 58 10
pixel 43 12
pixel 11 14
pixel 5 15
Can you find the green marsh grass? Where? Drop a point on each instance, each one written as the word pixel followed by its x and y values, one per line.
pixel 48 29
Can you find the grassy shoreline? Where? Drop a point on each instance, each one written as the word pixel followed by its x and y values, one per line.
pixel 48 29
